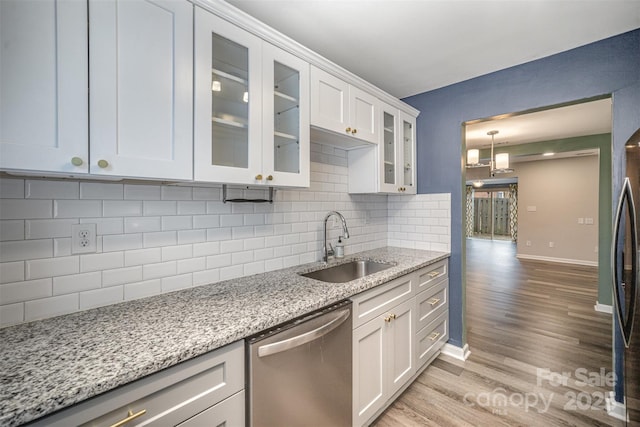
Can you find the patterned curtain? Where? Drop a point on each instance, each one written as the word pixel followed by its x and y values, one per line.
pixel 469 222
pixel 513 211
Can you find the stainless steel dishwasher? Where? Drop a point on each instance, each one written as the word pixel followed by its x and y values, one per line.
pixel 300 373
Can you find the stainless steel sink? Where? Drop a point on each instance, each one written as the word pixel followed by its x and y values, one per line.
pixel 349 271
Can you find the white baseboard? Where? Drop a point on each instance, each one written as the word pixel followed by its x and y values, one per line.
pixel 615 409
pixel 603 308
pixel 558 260
pixel 460 353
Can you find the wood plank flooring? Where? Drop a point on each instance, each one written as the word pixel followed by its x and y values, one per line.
pixel 540 353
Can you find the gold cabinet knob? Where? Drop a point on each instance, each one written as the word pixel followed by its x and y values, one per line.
pixel 103 163
pixel 387 319
pixel 348 130
pixel 258 177
pixel 270 178
pixel 76 161
pixel 353 132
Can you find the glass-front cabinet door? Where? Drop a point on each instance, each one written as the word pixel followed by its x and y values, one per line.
pixel 286 118
pixel 407 170
pixel 228 102
pixel 388 149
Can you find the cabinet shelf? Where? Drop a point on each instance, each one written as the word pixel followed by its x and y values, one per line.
pixel 228 76
pixel 390 130
pixel 284 102
pixel 285 138
pixel 229 122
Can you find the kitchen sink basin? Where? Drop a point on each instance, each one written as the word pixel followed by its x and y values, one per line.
pixel 349 271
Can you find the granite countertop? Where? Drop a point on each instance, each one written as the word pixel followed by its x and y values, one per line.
pixel 50 364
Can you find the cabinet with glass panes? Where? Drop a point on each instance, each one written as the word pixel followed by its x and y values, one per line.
pixel 252 114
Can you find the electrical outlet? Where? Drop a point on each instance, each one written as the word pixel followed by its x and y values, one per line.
pixel 551 244
pixel 528 242
pixel 83 238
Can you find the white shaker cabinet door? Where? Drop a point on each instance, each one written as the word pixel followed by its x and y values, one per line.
pixel 43 86
pixel 329 102
pixel 363 115
pixel 141 62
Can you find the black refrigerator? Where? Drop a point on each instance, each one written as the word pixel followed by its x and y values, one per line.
pixel 625 258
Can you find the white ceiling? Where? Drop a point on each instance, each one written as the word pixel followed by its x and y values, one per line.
pixel 407 47
pixel 589 118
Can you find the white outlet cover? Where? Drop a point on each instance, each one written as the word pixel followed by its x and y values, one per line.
pixel 83 239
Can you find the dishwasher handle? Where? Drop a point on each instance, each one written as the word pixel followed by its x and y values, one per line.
pixel 280 346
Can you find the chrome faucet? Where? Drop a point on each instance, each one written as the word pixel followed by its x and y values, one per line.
pixel 326 252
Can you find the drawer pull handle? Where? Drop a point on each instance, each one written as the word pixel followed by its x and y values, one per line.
pixel 434 301
pixel 130 417
pixel 434 274
pixel 434 336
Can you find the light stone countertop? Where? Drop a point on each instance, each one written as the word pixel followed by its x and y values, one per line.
pixel 50 364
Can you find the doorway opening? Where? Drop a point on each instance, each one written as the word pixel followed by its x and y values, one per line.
pixel 492 213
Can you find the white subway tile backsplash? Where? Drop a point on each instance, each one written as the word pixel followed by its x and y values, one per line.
pixel 207 248
pixel 49 307
pixel 11 314
pixel 101 191
pixel 19 250
pixel 25 291
pixel 100 297
pixel 52 267
pixel 191 236
pixel 160 208
pixel 41 189
pixel 12 229
pixel 11 272
pixel 175 283
pixel 25 209
pixel 176 193
pixel 162 269
pixel 122 208
pixel 121 242
pixel 48 228
pixel 192 208
pixel 157 238
pixel 142 289
pixel 176 223
pixel 120 276
pixel 171 253
pixel 142 192
pixel 106 261
pixel 191 265
pixel 76 283
pixel 11 188
pixel 77 208
pixel 206 277
pixel 142 256
pixel 142 224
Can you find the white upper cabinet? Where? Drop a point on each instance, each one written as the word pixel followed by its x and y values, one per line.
pixel 342 108
pixel 389 168
pixel 141 62
pixel 43 86
pixel 251 108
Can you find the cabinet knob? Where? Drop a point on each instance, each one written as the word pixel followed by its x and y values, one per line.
pixel 76 161
pixel 270 178
pixel 258 177
pixel 348 130
pixel 387 319
pixel 103 163
pixel 353 132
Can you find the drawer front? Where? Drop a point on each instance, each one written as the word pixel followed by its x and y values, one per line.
pixel 168 397
pixel 372 303
pixel 229 412
pixel 431 303
pixel 431 338
pixel 431 274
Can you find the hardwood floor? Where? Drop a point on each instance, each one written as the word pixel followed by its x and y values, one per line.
pixel 540 353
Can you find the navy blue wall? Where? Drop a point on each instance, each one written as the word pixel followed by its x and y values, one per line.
pixel 610 66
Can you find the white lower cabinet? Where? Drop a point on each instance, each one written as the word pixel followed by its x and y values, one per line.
pixel 399 328
pixel 206 390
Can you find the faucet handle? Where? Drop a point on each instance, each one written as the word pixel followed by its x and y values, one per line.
pixel 331 251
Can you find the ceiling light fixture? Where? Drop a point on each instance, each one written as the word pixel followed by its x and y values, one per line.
pixel 499 165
